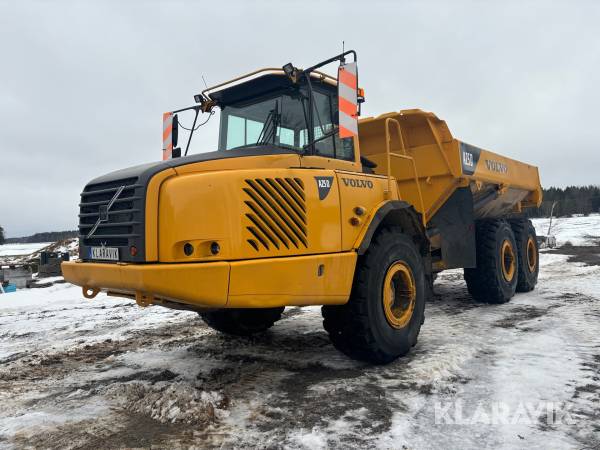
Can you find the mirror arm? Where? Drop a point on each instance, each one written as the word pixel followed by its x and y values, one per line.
pixel 340 57
pixel 196 108
pixel 187 147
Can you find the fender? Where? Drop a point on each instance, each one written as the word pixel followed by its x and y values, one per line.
pixel 396 212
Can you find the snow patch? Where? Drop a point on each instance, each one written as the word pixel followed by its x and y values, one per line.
pixel 170 402
pixel 21 249
pixel 575 230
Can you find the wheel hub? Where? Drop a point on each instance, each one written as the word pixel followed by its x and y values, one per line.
pixel 531 254
pixel 508 262
pixel 399 294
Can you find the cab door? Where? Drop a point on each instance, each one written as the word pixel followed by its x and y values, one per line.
pixel 332 152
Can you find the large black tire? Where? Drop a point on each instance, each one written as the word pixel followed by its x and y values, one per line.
pixel 528 252
pixel 360 328
pixel 242 322
pixel 494 280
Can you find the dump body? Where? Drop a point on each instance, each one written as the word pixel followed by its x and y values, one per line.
pixel 442 164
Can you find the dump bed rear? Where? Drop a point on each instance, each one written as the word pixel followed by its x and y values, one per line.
pixel 428 164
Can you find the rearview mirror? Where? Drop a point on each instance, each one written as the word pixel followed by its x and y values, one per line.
pixel 175 132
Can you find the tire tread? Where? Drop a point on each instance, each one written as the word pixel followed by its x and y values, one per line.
pixel 349 326
pixel 482 281
pixel 242 322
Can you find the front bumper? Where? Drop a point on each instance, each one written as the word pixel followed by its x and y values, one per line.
pixel 203 285
pixel 324 279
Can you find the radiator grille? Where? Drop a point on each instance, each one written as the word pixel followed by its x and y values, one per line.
pixel 276 213
pixel 121 221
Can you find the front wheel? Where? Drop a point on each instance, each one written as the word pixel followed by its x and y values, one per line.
pixel 383 317
pixel 242 322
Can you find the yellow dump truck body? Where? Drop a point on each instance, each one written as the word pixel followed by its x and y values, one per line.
pixel 305 204
pixel 281 240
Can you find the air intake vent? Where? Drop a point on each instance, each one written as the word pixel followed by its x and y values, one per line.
pixel 276 213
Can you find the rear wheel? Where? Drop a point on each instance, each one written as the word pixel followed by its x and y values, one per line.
pixel 242 322
pixel 383 317
pixel 527 251
pixel 494 280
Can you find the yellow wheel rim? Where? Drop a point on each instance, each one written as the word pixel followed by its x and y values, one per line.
pixel 508 262
pixel 531 254
pixel 399 294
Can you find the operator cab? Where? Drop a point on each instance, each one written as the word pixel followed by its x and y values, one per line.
pixel 286 110
pixel 271 111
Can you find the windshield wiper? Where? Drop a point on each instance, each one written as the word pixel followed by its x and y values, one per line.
pixel 269 130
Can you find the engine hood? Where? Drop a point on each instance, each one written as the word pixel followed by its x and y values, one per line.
pixel 114 207
pixel 144 172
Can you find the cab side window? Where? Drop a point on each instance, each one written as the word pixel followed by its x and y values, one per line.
pixel 325 113
pixel 323 122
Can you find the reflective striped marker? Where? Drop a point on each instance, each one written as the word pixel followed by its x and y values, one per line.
pixel 167 151
pixel 348 101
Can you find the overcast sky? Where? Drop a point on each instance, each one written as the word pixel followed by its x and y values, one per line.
pixel 83 85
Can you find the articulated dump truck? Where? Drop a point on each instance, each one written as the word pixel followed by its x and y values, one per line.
pixel 306 203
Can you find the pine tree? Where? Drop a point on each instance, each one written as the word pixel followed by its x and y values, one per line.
pixel 1 235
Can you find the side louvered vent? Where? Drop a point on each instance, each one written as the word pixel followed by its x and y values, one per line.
pixel 276 213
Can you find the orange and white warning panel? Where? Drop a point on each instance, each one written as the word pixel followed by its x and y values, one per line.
pixel 167 150
pixel 348 100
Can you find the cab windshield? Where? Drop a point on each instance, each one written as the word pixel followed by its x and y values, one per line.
pixel 281 120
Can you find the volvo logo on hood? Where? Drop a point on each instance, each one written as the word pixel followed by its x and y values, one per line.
pixel 103 212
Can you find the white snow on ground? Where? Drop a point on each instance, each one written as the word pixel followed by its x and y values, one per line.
pixel 67 246
pixel 106 374
pixel 21 249
pixel 19 254
pixel 580 230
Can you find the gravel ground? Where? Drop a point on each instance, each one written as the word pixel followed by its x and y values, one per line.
pixel 107 374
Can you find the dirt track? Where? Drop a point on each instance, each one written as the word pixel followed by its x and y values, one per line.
pixel 117 376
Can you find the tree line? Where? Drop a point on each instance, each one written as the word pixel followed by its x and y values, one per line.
pixel 49 236
pixel 567 201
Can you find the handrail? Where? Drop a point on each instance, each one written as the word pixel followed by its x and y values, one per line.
pixel 389 155
pixel 273 70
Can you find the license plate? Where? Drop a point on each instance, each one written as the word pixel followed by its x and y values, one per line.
pixel 106 253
